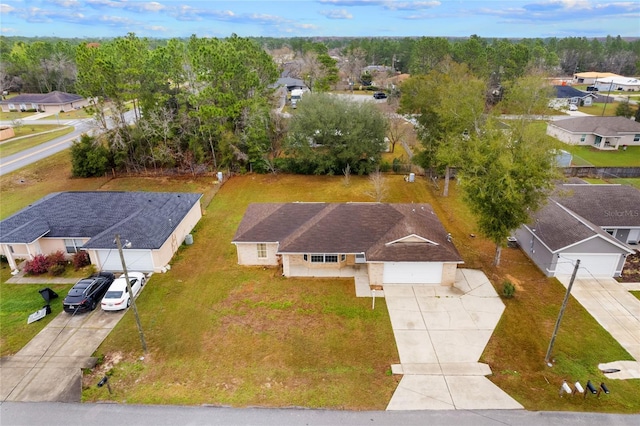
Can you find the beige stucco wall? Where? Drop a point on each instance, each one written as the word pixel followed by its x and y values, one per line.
pixel 162 256
pixel 6 133
pixel 248 254
pixel 376 273
pixel 449 273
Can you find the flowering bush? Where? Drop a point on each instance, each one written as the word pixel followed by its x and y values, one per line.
pixel 37 266
pixel 80 260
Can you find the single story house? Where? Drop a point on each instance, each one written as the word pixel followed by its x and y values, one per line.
pixel 599 132
pixel 591 77
pixel 151 225
pixel 44 102
pixel 392 243
pixel 624 84
pixel 290 83
pixel 598 224
pixel 567 95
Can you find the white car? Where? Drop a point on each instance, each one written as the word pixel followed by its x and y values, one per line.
pixel 573 107
pixel 117 297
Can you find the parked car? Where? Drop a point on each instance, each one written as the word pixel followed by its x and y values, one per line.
pixel 573 107
pixel 117 297
pixel 85 295
pixel 380 95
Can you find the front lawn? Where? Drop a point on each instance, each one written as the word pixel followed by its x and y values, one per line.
pixel 13 146
pixel 223 334
pixel 586 155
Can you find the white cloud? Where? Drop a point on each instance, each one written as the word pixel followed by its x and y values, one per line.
pixel 5 8
pixel 336 14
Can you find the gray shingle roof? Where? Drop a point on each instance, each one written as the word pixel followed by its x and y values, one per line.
pixel 53 98
pixel 349 228
pixel 611 126
pixel 603 205
pixel 146 219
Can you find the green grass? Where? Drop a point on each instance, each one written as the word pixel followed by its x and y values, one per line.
pixel 17 302
pixel 219 333
pixel 636 294
pixel 586 155
pixel 11 146
pixel 622 181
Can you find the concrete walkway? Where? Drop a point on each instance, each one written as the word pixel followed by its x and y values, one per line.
pixel 441 333
pixel 618 312
pixel 49 367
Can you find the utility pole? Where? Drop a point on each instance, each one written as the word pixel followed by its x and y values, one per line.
pixel 133 301
pixel 564 305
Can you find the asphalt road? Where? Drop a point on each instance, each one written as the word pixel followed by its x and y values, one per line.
pixel 52 413
pixel 23 158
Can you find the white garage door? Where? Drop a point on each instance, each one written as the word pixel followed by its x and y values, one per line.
pixel 597 265
pixel 412 273
pixel 136 260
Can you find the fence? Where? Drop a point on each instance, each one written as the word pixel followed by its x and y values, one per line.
pixel 602 172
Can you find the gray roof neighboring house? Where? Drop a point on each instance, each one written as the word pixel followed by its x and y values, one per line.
pixel 559 228
pixel 146 219
pixel 603 126
pixel 579 212
pixel 604 205
pixel 53 98
pixel 384 232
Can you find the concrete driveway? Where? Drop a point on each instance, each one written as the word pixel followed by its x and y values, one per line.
pixel 441 333
pixel 618 312
pixel 49 367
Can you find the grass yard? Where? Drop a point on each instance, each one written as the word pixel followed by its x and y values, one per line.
pixel 223 334
pixel 12 146
pixel 17 302
pixel 585 155
pixel 597 108
pixel 622 181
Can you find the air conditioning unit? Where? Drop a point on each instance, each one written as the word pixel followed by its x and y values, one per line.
pixel 360 258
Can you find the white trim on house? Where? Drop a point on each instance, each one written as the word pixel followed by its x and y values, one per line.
pixel 410 238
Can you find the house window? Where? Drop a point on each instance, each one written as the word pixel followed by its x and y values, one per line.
pixel 262 250
pixel 73 245
pixel 583 138
pixel 11 249
pixel 636 138
pixel 343 257
pixel 306 257
pixel 317 258
pixel 331 258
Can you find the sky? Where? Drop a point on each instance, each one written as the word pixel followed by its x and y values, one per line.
pixel 307 18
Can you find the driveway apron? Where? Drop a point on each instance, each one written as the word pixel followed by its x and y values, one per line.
pixel 49 367
pixel 440 333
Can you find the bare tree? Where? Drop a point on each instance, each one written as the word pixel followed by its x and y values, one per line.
pixel 379 189
pixel 397 129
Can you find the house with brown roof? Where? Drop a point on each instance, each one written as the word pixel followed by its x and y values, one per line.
pixel 598 224
pixel 53 102
pixel 391 243
pixel 599 132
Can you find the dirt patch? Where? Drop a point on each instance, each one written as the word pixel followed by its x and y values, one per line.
pixel 631 271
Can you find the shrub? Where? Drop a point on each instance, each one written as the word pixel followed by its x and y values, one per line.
pixel 57 269
pixel 37 266
pixel 80 260
pixel 508 289
pixel 57 258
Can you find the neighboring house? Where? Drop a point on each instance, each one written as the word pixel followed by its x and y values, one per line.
pixel 392 243
pixel 290 83
pixel 599 132
pixel 567 95
pixel 591 77
pixel 44 102
pixel 151 225
pixel 624 84
pixel 598 224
